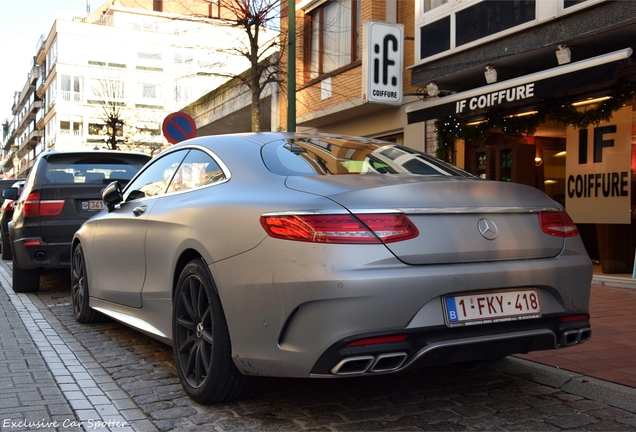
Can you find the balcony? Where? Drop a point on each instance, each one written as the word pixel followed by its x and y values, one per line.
pixel 31 140
pixel 40 89
pixel 40 52
pixel 35 73
pixel 39 119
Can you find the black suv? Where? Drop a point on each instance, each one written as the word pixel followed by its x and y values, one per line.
pixel 62 190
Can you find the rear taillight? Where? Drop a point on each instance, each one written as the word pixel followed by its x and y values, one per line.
pixel 557 224
pixel 33 206
pixel 342 229
pixel 9 205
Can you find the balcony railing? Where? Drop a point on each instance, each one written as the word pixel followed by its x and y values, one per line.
pixel 68 96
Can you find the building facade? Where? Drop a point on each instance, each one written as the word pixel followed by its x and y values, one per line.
pixel 540 93
pixel 346 79
pixel 136 63
pixel 529 91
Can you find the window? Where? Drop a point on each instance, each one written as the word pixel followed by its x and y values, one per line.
pixel 197 169
pixel 71 88
pixel 149 90
pixel 333 37
pixel 435 37
pixel 490 17
pixel 432 4
pixel 155 178
pixel 71 126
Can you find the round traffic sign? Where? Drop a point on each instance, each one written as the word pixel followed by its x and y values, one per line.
pixel 178 127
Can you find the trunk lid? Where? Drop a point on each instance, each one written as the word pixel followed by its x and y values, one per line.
pixel 460 220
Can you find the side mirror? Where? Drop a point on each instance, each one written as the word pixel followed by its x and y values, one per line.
pixel 111 195
pixel 10 193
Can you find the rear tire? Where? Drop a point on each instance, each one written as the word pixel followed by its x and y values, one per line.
pixel 6 250
pixel 201 341
pixel 79 290
pixel 25 281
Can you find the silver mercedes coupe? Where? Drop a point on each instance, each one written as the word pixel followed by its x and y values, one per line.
pixel 294 255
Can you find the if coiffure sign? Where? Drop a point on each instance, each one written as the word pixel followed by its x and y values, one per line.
pixel 382 63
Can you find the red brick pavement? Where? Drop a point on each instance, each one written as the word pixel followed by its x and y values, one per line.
pixel 611 353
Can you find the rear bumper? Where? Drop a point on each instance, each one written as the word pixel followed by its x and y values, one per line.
pixel 442 346
pixel 33 253
pixel 286 316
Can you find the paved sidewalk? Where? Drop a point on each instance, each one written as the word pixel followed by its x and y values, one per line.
pixel 48 381
pixel 611 353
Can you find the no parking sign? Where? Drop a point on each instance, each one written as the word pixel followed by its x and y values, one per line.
pixel 178 127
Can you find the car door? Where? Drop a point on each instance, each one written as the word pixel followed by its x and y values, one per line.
pixel 173 219
pixel 121 234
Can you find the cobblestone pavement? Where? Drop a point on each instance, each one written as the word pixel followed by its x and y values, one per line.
pixel 468 397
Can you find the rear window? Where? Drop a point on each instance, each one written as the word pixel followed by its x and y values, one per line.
pixel 95 169
pixel 350 155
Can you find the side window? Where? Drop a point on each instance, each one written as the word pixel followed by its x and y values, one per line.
pixel 155 178
pixel 197 169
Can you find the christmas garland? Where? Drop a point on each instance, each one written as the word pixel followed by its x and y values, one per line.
pixel 450 128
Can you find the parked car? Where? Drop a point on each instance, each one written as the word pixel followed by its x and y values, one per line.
pixel 293 255
pixel 9 195
pixel 6 183
pixel 61 191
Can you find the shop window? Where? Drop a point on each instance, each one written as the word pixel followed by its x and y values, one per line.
pixel 490 17
pixel 435 37
pixel 332 39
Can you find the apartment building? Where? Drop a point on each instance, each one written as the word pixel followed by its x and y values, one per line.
pixel 137 60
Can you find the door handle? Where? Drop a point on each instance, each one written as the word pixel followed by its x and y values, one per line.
pixel 138 211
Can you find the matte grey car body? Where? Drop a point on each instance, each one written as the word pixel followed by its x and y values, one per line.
pixel 359 301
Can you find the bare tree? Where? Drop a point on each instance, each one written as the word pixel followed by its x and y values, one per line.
pixel 111 105
pixel 141 132
pixel 255 18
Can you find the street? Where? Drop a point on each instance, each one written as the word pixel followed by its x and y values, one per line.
pixel 464 397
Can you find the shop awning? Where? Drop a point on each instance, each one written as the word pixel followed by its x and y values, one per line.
pixel 528 88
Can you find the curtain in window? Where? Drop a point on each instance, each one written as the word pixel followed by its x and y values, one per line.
pixel 337 35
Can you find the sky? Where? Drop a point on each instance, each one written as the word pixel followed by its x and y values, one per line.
pixel 22 22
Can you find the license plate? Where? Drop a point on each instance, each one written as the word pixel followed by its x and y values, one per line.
pixel 491 307
pixel 93 205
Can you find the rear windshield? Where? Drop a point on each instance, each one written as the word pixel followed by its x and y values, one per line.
pixel 93 169
pixel 350 155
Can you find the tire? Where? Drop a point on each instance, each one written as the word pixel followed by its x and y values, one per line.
pixel 25 281
pixel 79 290
pixel 6 250
pixel 201 341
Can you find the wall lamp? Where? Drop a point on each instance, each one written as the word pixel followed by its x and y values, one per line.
pixel 563 54
pixel 432 89
pixel 490 74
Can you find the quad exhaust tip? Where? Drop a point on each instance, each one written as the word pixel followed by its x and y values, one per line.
pixel 386 362
pixel 573 337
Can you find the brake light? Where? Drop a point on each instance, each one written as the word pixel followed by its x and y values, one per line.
pixel 341 229
pixel 557 224
pixel 33 206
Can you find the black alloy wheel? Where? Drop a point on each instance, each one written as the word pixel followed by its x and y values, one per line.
pixel 201 341
pixel 79 290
